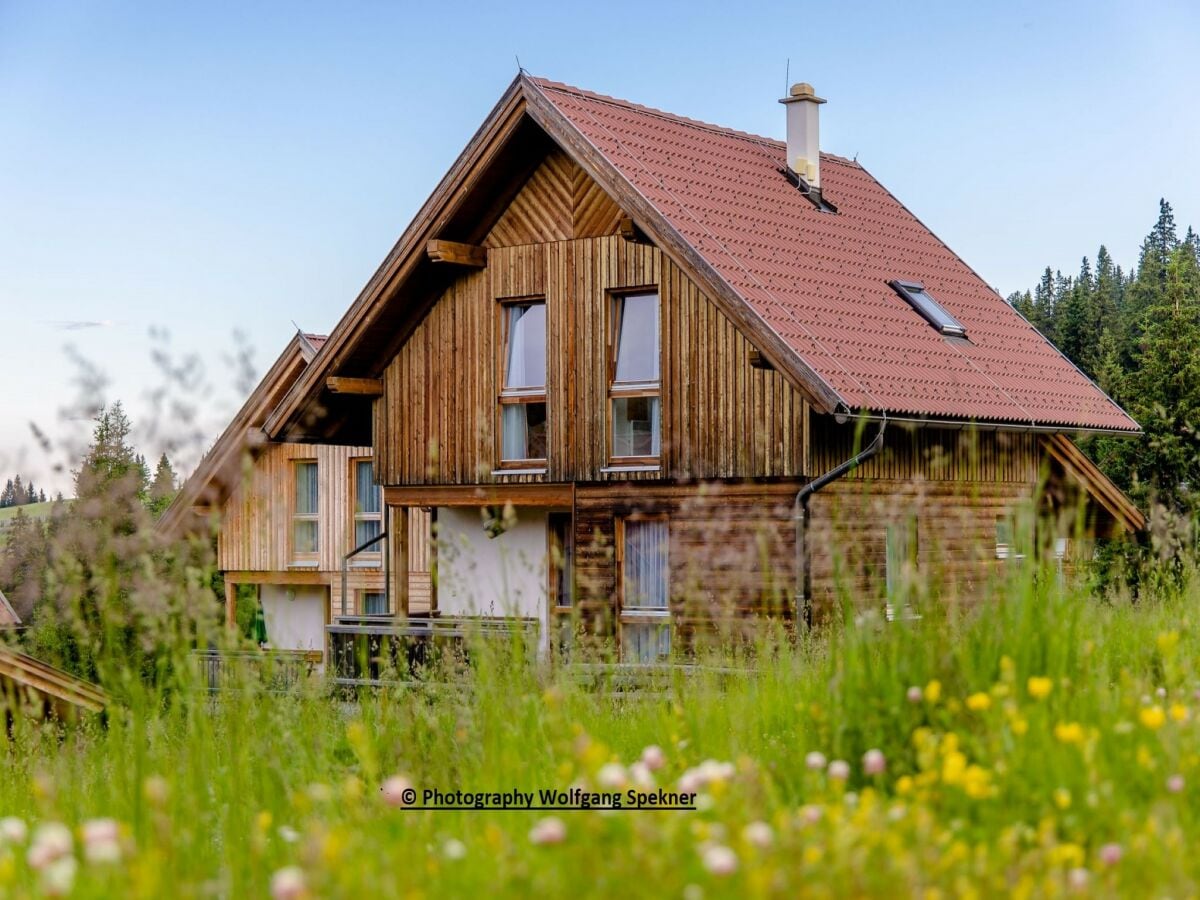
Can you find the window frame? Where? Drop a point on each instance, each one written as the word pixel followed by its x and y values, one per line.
pixel 641 615
pixel 897 587
pixel 372 558
pixel 627 390
pixel 567 550
pixel 360 598
pixel 506 396
pixel 916 294
pixel 305 558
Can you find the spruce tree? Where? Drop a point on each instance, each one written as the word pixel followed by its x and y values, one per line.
pixel 163 488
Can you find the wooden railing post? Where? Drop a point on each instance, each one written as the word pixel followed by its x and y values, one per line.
pixel 398 547
pixel 230 604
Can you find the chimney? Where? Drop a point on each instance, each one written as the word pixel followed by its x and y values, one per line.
pixel 803 133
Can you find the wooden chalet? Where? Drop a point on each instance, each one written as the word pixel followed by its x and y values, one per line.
pixel 638 373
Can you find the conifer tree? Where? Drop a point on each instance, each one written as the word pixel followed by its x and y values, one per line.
pixel 163 488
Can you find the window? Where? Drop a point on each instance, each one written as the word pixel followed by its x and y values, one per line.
pixel 1005 539
pixel 900 569
pixel 523 396
pixel 645 582
pixel 922 301
pixel 368 506
pixel 635 387
pixel 373 603
pixel 561 558
pixel 305 534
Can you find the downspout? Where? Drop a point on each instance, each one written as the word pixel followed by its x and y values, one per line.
pixel 800 518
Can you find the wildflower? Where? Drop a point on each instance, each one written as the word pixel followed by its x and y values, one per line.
pixel 1019 726
pixel 839 770
pixel 1161 693
pixel 654 758
pixel 1167 641
pixel 815 760
pixel 874 762
pixel 719 860
pixel 51 841
pixel 454 849
pixel 549 830
pixel 59 876
pixel 1175 784
pixel 1178 712
pixel 933 691
pixel 612 776
pixel 759 834
pixel 1062 798
pixel 1039 687
pixel 1152 717
pixel 397 791
pixel 13 830
pixel 979 702
pixel 288 884
pixel 1069 732
pixel 690 782
pixel 101 841
pixel 810 814
pixel 288 835
pixel 640 775
pixel 914 694
pixel 904 785
pixel 1077 878
pixel 1110 854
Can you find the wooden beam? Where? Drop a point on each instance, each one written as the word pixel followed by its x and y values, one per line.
pixel 364 387
pixel 560 495
pixel 628 229
pixel 292 576
pixel 230 603
pixel 457 254
pixel 398 529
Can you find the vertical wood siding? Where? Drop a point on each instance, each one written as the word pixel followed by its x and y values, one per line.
pixel 436 421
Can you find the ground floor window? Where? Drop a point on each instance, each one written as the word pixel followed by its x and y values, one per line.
pixel 373 603
pixel 645 590
pixel 900 569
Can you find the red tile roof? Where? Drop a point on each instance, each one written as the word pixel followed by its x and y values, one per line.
pixel 821 281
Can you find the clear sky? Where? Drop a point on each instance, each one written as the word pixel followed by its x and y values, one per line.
pixel 214 168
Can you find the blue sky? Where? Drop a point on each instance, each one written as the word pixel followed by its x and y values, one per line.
pixel 212 168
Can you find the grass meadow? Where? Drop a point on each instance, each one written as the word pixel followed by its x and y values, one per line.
pixel 1041 742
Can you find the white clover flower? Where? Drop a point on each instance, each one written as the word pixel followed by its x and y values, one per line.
pixel 758 834
pixel 1078 878
pixel 839 770
pixel 288 884
pixel 58 877
pixel 1175 784
pixel 640 775
pixel 810 814
pixel 719 859
pixel 288 834
pixel 914 694
pixel 394 790
pixel 815 760
pixel 51 841
pixel 453 848
pixel 654 758
pixel 691 782
pixel 711 770
pixel 13 830
pixel 612 776
pixel 1110 854
pixel 874 762
pixel 549 830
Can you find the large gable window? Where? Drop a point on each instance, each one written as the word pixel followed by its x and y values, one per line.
pixel 635 387
pixel 523 395
pixel 933 312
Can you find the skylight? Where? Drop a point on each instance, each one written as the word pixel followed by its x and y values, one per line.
pixel 922 301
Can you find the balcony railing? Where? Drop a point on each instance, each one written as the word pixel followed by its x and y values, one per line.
pixel 276 670
pixel 378 650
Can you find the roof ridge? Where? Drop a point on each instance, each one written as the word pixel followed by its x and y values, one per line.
pixel 549 85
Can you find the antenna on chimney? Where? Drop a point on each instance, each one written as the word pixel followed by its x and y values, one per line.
pixel 787 75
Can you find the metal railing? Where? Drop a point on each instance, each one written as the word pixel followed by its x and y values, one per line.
pixel 278 670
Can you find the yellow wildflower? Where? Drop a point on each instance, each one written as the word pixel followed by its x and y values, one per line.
pixel 1067 855
pixel 1039 687
pixel 1167 641
pixel 1062 798
pixel 1179 712
pixel 979 702
pixel 933 691
pixel 904 784
pixel 1152 717
pixel 1069 732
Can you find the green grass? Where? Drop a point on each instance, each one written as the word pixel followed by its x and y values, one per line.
pixel 33 510
pixel 986 787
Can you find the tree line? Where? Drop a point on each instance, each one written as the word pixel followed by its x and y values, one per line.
pixel 1137 335
pixel 21 493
